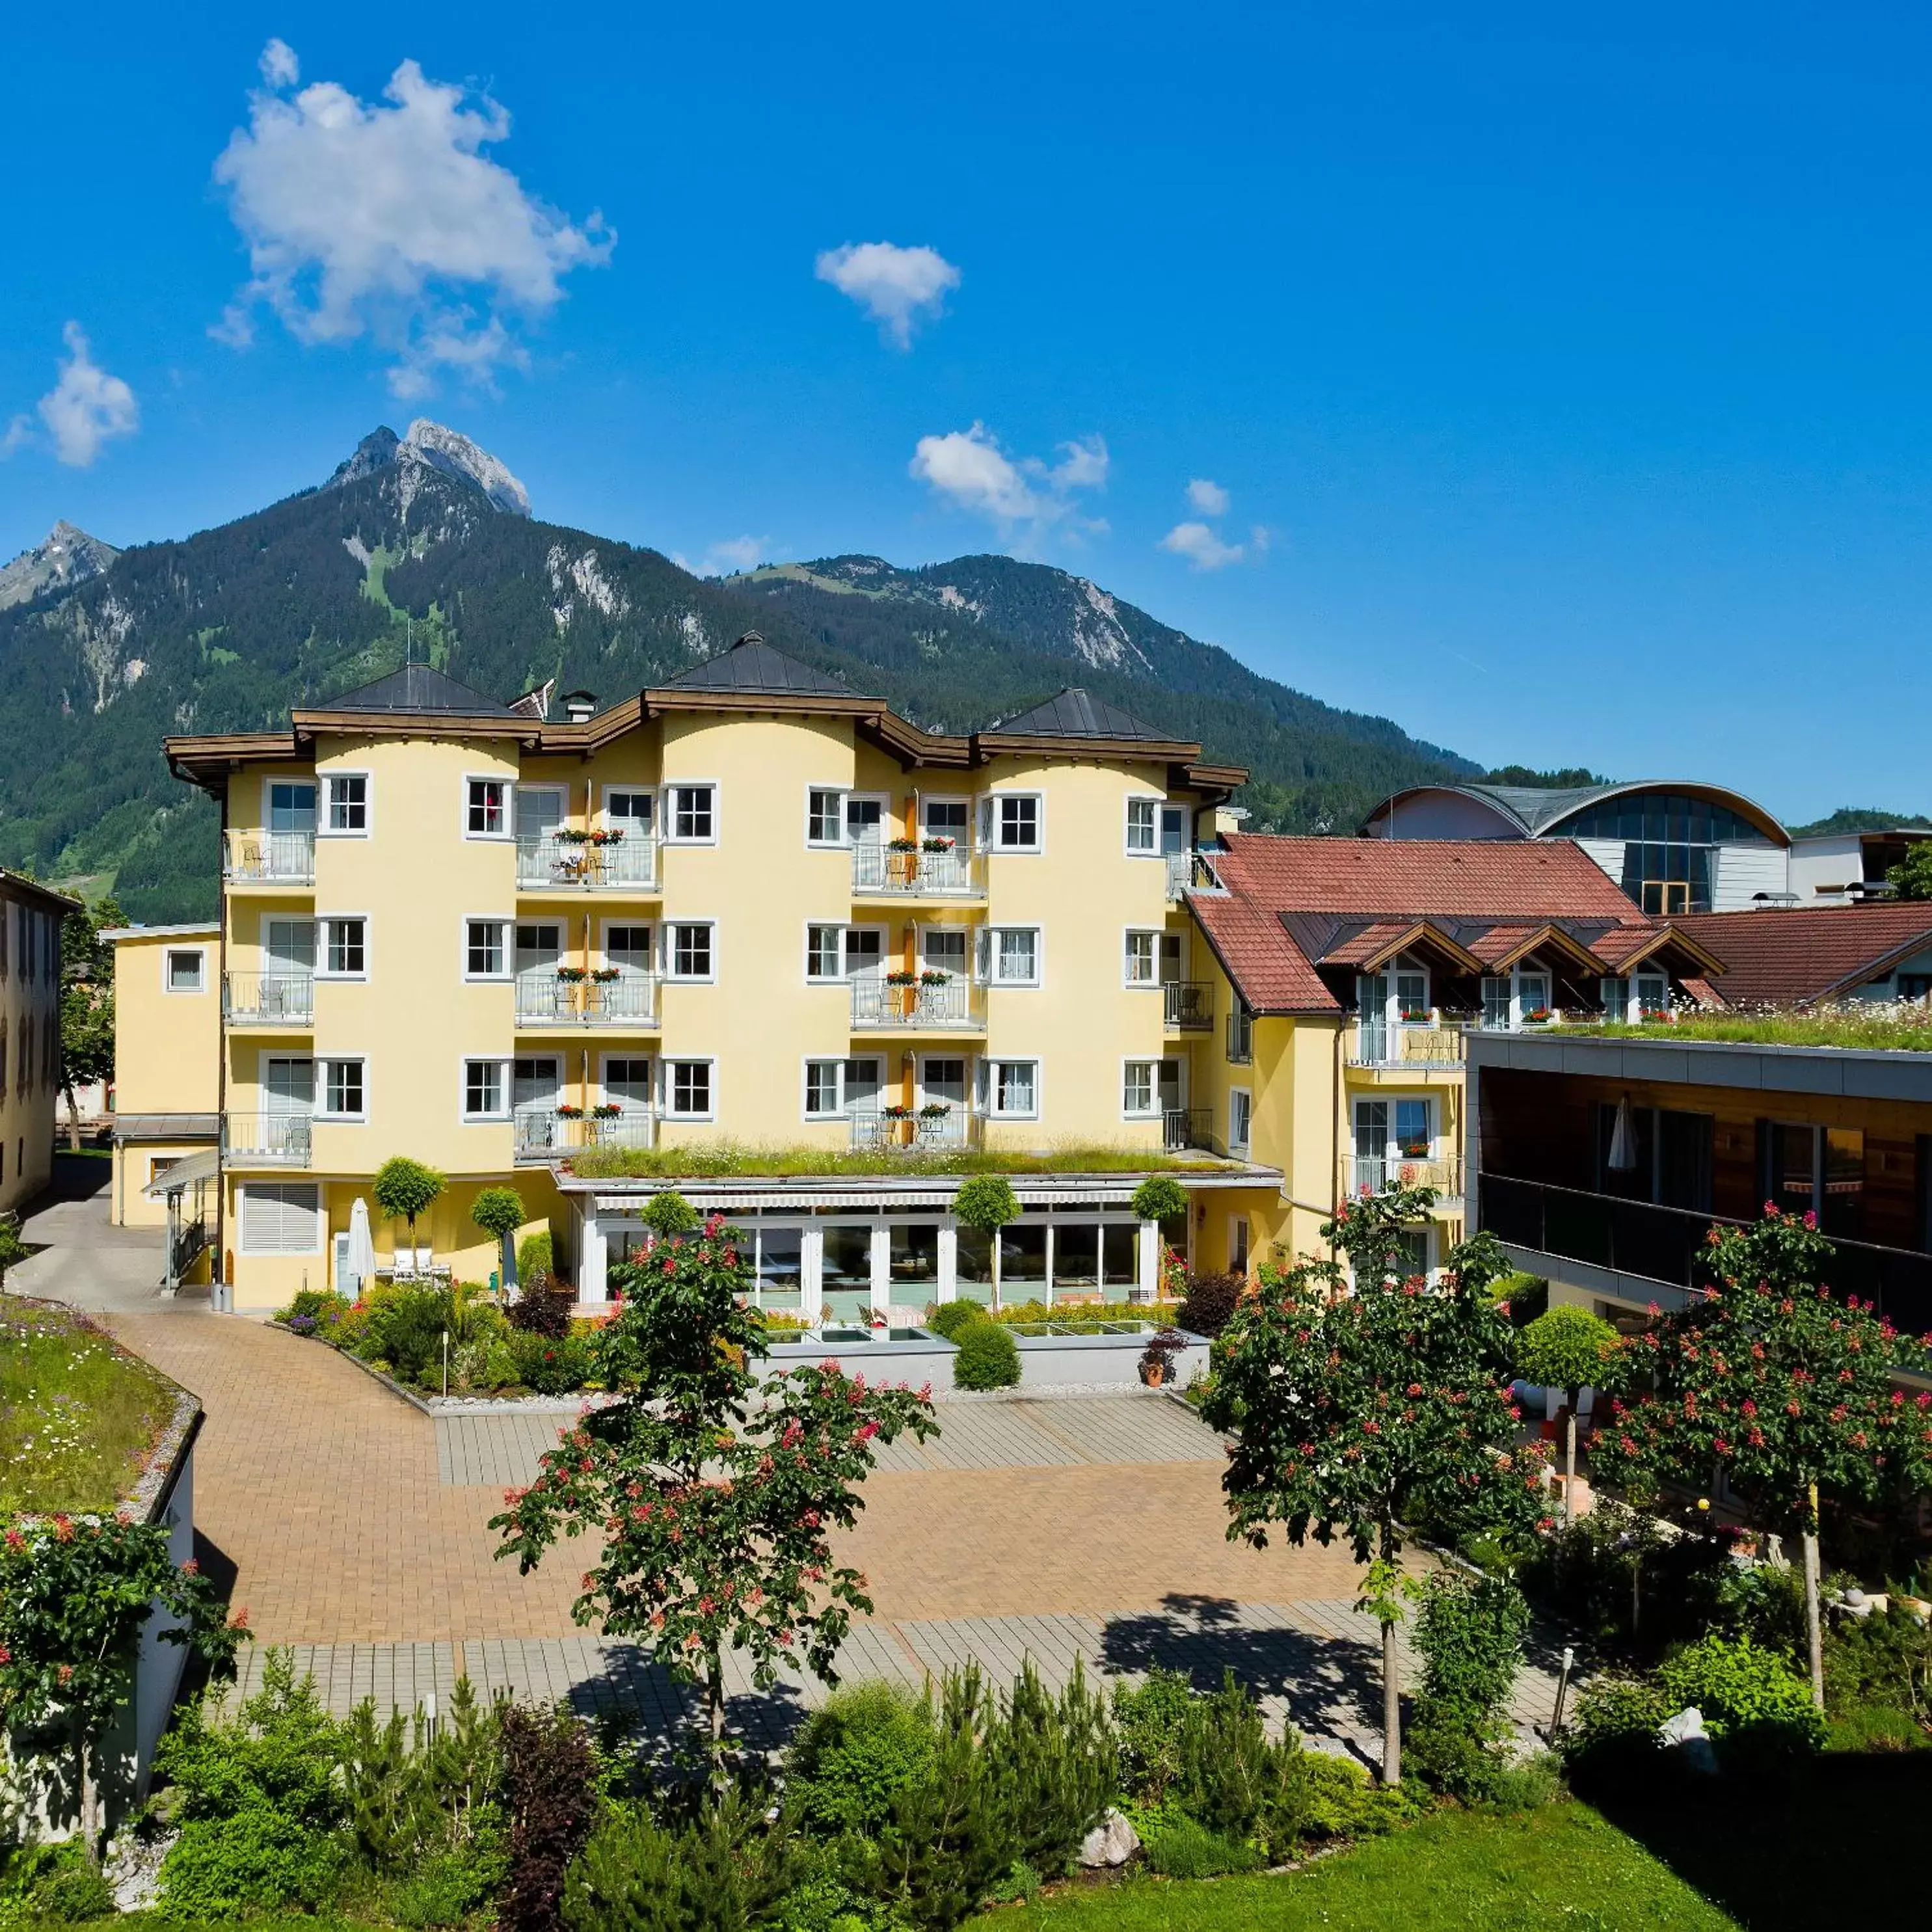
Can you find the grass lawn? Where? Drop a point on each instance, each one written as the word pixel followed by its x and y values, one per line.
pixel 1902 1028
pixel 77 1414
pixel 694 1163
pixel 1562 1865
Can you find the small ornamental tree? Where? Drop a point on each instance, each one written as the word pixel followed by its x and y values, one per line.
pixel 500 1211
pixel 1570 1349
pixel 404 1189
pixel 1785 1389
pixel 715 1493
pixel 1159 1198
pixel 75 1593
pixel 1359 1411
pixel 987 1202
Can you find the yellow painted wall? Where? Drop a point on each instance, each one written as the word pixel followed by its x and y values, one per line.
pixel 166 1046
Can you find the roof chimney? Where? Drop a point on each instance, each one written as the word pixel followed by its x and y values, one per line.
pixel 579 706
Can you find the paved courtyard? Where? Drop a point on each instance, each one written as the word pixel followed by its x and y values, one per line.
pixel 355 1529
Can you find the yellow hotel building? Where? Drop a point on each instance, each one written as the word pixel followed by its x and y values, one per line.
pixel 750 906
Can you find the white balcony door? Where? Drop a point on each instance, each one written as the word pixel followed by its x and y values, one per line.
pixel 942 1081
pixel 943 950
pixel 288 1087
pixel 291 807
pixel 628 949
pixel 627 1083
pixel 1173 828
pixel 539 949
pixel 865 954
pixel 864 821
pixel 288 946
pixel 1173 1085
pixel 539 809
pixel 1372 1145
pixel 535 1083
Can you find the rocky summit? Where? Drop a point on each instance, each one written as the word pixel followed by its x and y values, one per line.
pixel 432 445
pixel 65 557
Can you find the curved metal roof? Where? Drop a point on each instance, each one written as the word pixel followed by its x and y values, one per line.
pixel 1535 812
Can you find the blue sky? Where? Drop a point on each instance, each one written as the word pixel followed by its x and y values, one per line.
pixel 1563 383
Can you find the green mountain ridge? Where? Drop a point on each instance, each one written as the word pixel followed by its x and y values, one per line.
pixel 227 629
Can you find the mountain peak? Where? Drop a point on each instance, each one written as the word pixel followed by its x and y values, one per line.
pixel 66 556
pixel 433 446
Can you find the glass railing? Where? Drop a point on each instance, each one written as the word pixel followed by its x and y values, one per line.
pixel 269 999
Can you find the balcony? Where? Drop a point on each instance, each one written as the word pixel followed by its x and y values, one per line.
pixel 630 1002
pixel 269 858
pixel 1187 1006
pixel 266 1140
pixel 564 862
pixel 1376 1174
pixel 1412 1046
pixel 544 1134
pixel 1241 1037
pixel 1669 1244
pixel 269 999
pixel 1184 1127
pixel 950 1005
pixel 944 870
pixel 916 1130
pixel 1190 871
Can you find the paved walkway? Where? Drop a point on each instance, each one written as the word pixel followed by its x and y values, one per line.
pixel 355 1529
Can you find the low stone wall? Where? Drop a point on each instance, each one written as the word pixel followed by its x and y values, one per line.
pixel 927 1358
pixel 1079 1362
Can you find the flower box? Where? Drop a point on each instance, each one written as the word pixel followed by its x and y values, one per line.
pixel 902 845
pixel 936 845
pixel 571 976
pixel 570 1113
pixel 902 978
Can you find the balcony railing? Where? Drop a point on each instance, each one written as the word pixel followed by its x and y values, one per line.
pixel 270 858
pixel 546 858
pixel 1411 1043
pixel 1184 1127
pixel 1376 1174
pixel 631 1001
pixel 1669 1244
pixel 951 1005
pixel 1187 1006
pixel 1240 1038
pixel 1188 872
pixel 269 999
pixel 542 1133
pixel 267 1140
pixel 954 872
pixel 919 1132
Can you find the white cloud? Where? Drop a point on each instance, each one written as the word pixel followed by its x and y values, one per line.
pixel 731 554
pixel 86 408
pixel 1201 547
pixel 1210 499
pixel 969 468
pixel 894 285
pixel 390 222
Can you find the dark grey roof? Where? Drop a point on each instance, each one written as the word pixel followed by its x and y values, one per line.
pixel 752 666
pixel 1075 713
pixel 1534 811
pixel 167 1127
pixel 1533 807
pixel 416 687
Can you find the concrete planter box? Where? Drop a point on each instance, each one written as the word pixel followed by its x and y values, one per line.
pixel 912 1355
pixel 1090 1361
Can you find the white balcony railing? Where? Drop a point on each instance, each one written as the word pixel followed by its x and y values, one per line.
pixel 1410 1043
pixel 949 871
pixel 543 1133
pixel 1376 1174
pixel 270 858
pixel 267 1140
pixel 921 1130
pixel 951 1005
pixel 543 1000
pixel 548 859
pixel 269 999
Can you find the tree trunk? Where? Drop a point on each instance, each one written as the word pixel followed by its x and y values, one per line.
pixel 1391 1708
pixel 73 1119
pixel 90 1798
pixel 1570 1462
pixel 714 1700
pixel 1814 1639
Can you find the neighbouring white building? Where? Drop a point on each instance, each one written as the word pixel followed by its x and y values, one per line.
pixel 1842 868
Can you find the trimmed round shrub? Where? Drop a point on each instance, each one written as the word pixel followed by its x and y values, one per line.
pixel 669 1214
pixel 1159 1198
pixel 1209 1304
pixel 535 1255
pixel 988 1357
pixel 952 1318
pixel 987 1201
pixel 855 1756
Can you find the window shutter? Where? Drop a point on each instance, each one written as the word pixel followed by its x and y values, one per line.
pixel 983 954
pixel 283 1219
pixel 983 1085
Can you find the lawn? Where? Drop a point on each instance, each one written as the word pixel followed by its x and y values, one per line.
pixel 1904 1028
pixel 726 1158
pixel 78 1415
pixel 1563 1864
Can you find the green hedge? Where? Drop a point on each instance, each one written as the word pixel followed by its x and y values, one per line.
pixel 988 1357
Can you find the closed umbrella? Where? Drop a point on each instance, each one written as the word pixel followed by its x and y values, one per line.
pixel 1623 1141
pixel 361 1247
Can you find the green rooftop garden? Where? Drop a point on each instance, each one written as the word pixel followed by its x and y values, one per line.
pixel 1905 1028
pixel 726 1159
pixel 78 1415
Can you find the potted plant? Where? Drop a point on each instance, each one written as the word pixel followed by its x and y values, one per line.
pixel 902 978
pixel 935 975
pixel 935 1110
pixel 937 843
pixel 1535 1015
pixel 1157 1357
pixel 571 976
pixel 570 834
pixel 902 845
pixel 607 1110
pixel 607 834
pixel 604 976
pixel 895 1113
pixel 567 1112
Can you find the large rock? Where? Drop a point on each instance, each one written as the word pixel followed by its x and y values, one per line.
pixel 1111 1842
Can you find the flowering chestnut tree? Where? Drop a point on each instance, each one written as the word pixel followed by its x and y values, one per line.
pixel 75 1594
pixel 1357 1411
pixel 1784 1387
pixel 714 1493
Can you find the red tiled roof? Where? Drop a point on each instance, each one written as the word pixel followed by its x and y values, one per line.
pixel 1270 971
pixel 1786 955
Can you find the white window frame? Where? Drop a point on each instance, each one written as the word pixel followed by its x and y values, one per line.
pixel 1153 1110
pixel 995 1111
pixel 1616 1004
pixel 1241 1108
pixel 1152 934
pixel 668 1065
pixel 836 928
pixel 501 1062
pixel 324 829
pixel 838 794
pixel 992 975
pixel 995 842
pixel 281 1190
pixel 964 836
pixel 843 1063
pixel 505 833
pixel 324 1065
pixel 671 928
pixel 845 932
pixel 1637 983
pixel 964 1102
pixel 648 791
pixel 1153 801
pixel 620 920
pixel 506 946
pixel 1397 972
pixel 169 954
pixel 668 832
pixel 324 921
pixel 605 1061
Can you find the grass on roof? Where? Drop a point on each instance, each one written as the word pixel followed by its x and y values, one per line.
pixel 1906 1027
pixel 724 1159
pixel 78 1415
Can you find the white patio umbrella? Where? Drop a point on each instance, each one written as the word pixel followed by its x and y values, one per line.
pixel 361 1247
pixel 1623 1140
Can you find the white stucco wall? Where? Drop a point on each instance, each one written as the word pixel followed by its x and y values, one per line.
pixel 1830 859
pixel 1444 814
pixel 1742 871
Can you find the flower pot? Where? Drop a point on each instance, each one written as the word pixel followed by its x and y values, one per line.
pixel 1153 1373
